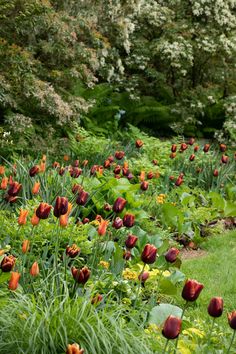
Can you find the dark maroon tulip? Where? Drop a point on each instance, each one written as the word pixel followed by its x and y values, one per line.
pixel 131 240
pixel 43 210
pixel 215 173
pixel 76 163
pixel 224 159
pixel 206 147
pixel 149 254
pixel 82 198
pixel 191 290
pixel 93 169
pixel 61 207
pixel 139 143
pixel 215 307
pixel 117 223
pixel 144 185
pixel 62 171
pixel 8 263
pixel 11 199
pixel 125 171
pixel 81 276
pixel 128 220
pixel 72 251
pixel 172 327
pixel 179 181
pixel 232 320
pixel 127 255
pixel 183 147
pixel 150 175
pixel 34 171
pixel 191 141
pixel 107 207
pixel 119 155
pixel 96 299
pixel 107 164
pixel 111 159
pixel 173 155
pixel 192 157
pixel 76 188
pixel 119 205
pixel 117 170
pixel 196 148
pixel 223 147
pixel 130 176
pixel 143 276
pixel 14 189
pixel 155 162
pixel 75 172
pixel 173 148
pixel 171 178
pixel 85 220
pixel 172 255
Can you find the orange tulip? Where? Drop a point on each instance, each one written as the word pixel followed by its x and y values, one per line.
pixel 142 176
pixel 74 349
pixel 64 218
pixel 44 158
pixel 14 280
pixel 66 158
pixel 126 165
pixel 4 183
pixel 23 217
pixel 102 228
pixel 42 166
pixel 25 246
pixel 36 188
pixel 2 170
pixel 34 270
pixel 35 220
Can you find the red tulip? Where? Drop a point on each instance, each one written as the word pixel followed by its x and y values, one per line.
pixel 173 148
pixel 8 263
pixel 172 255
pixel 144 185
pixel 206 147
pixel 191 290
pixel 76 188
pixel 75 172
pixel 150 175
pixel 223 147
pixel 119 205
pixel 191 141
pixel 179 181
pixel 62 171
pixel 232 320
pixel 183 147
pixel 149 254
pixel 127 255
pixel 14 189
pixel 117 223
pixel 107 207
pixel 173 155
pixel 107 164
pixel 119 155
pixel 34 171
pixel 143 276
pixel 111 159
pixel 85 220
pixel 43 210
pixel 128 220
pixel 224 159
pixel 172 327
pixel 72 251
pixel 81 276
pixel 117 170
pixel 131 240
pixel 192 157
pixel 196 148
pixel 215 173
pixel 76 163
pixel 61 206
pixel 96 299
pixel 82 198
pixel 215 307
pixel 139 143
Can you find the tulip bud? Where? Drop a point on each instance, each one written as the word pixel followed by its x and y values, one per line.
pixel 215 173
pixel 22 217
pixel 119 155
pixel 55 164
pixel 61 206
pixel 82 198
pixel 171 178
pixel 76 163
pixel 4 183
pixel 43 211
pixel 149 254
pixel 25 246
pixel 72 251
pixel 36 187
pixel 34 171
pixel 14 189
pixel 232 320
pixel 172 327
pixel 191 290
pixel 107 207
pixel 8 263
pixel 155 162
pixel 81 276
pixel 119 205
pixel 117 170
pixel 14 281
pixel 224 159
pixel 191 141
pixel 2 170
pixel 62 171
pixel 223 147
pixel 85 220
pixel 192 157
pixel 139 143
pixel 179 181
pixel 96 299
pixel 183 147
pixel 128 220
pixel 107 164
pixel 66 158
pixel 111 158
pixel 196 148
pixel 173 155
pixel 126 255
pixel 131 240
pixel 102 228
pixel 150 175
pixel 74 349
pixel 76 188
pixel 85 163
pixel 143 277
pixel 75 172
pixel 34 220
pixel 206 147
pixel 144 185
pixel 172 255
pixel 173 148
pixel 142 176
pixel 130 176
pixel 34 270
pixel 117 223
pixel 215 307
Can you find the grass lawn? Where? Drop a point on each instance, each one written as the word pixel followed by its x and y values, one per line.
pixel 217 271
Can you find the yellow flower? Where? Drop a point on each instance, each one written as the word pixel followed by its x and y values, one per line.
pixel 104 264
pixel 128 274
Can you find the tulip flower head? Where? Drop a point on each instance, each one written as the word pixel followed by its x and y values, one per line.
pixel 72 251
pixel 149 254
pixel 61 207
pixel 82 198
pixel 172 255
pixel 232 320
pixel 81 276
pixel 131 241
pixel 8 263
pixel 36 187
pixel 34 270
pixel 119 205
pixel 128 220
pixel 172 327
pixel 23 217
pixel 14 281
pixel 119 155
pixel 43 211
pixel 139 143
pixel 215 307
pixel 191 290
pixel 34 171
pixel 74 349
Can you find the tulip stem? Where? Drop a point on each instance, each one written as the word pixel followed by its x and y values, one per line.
pixel 231 342
pixel 166 345
pixel 139 285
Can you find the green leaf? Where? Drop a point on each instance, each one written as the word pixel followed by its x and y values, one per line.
pixel 159 313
